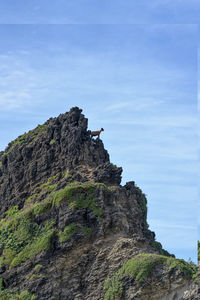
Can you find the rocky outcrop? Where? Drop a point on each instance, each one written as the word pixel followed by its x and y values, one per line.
pixel 69 230
pixel 59 145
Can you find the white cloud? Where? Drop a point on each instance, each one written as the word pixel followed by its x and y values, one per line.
pixel 135 105
pixel 157 120
pixel 14 99
pixel 175 236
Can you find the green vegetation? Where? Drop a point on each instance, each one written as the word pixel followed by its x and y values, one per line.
pixel 114 166
pixel 32 135
pixel 0 164
pixel 67 175
pixel 1 261
pixel 21 238
pixel 37 132
pixel 9 295
pixel 8 239
pixel 12 211
pixel 71 229
pixel 198 246
pixel 38 267
pixel 68 232
pixel 48 186
pixel 42 242
pixel 34 276
pixel 1 284
pixel 144 204
pixel 87 231
pixel 5 154
pixel 79 196
pixel 52 142
pixel 8 256
pixel 43 206
pixel 140 267
pixel 20 140
pixel 159 247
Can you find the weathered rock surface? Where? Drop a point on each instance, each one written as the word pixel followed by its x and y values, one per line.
pixel 85 225
pixel 61 144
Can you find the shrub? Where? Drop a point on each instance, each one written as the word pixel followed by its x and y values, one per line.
pixel 8 239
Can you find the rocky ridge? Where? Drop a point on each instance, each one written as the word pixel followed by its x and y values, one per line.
pixel 69 230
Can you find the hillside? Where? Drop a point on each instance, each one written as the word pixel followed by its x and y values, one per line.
pixel 70 230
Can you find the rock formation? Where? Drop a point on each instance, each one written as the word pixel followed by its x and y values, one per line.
pixel 69 230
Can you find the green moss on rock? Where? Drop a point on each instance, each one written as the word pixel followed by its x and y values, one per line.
pixel 5 154
pixel 21 238
pixel 79 196
pixel 68 232
pixel 52 142
pixel 38 267
pixel 140 267
pixel 10 295
pixel 41 243
pixel 12 211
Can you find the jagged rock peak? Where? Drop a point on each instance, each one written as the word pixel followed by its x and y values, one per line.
pixel 61 145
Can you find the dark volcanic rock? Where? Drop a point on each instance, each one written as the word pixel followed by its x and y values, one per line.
pixel 62 144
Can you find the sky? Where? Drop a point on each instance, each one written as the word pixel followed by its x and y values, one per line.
pixel 99 11
pixel 138 81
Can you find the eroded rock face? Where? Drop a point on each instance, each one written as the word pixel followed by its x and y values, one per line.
pixel 78 267
pixel 61 144
pixel 192 293
pixel 70 198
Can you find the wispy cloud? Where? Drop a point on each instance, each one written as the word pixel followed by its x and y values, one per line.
pixel 178 236
pixel 135 104
pixel 14 99
pixel 157 120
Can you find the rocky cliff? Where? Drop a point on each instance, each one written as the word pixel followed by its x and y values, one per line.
pixel 69 230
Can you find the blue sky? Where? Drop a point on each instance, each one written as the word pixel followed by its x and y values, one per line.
pixel 138 82
pixel 99 11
